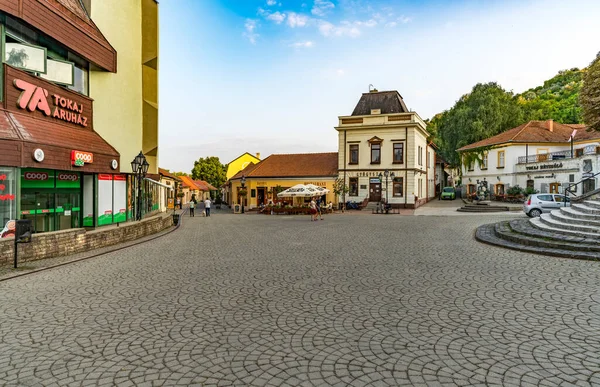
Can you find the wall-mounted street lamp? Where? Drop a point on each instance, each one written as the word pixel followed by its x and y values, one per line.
pixel 139 166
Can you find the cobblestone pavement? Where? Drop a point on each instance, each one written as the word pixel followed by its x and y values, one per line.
pixel 276 300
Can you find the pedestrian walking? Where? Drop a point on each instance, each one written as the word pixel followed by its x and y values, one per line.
pixel 192 205
pixel 319 211
pixel 207 204
pixel 313 209
pixel 201 208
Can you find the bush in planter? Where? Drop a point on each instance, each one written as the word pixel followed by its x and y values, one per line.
pixel 515 190
pixel 530 191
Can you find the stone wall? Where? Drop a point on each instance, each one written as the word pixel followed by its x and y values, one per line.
pixel 60 243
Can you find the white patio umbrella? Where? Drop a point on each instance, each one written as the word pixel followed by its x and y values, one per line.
pixel 303 191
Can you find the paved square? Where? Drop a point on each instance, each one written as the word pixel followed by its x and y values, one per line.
pixel 361 300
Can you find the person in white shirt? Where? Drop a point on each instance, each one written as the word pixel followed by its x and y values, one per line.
pixel 207 204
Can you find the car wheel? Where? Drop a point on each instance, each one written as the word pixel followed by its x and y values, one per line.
pixel 534 213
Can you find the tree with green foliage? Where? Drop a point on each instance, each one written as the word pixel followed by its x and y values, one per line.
pixel 210 170
pixel 485 112
pixel 557 99
pixel 181 174
pixel 590 95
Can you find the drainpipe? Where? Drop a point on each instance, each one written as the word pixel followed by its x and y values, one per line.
pixel 344 186
pixel 406 168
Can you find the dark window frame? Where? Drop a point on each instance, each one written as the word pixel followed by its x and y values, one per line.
pixel 395 160
pixel 352 148
pixel 353 183
pixel 378 145
pixel 398 182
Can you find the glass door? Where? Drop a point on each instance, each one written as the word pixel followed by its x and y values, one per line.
pixel 67 210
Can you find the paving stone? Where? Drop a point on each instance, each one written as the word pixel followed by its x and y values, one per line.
pixel 279 300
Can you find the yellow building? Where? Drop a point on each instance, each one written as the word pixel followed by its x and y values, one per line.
pixel 384 153
pixel 240 163
pixel 126 103
pixel 279 172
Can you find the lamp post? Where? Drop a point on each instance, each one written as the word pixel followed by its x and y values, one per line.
pixel 139 166
pixel 386 174
pixel 243 181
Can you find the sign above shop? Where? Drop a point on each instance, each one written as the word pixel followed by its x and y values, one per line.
pixel 45 100
pixel 544 166
pixel 79 158
pixel 35 97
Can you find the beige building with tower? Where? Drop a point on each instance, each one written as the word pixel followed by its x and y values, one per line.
pixel 384 153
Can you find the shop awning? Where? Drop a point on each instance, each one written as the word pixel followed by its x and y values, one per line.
pixel 57 141
pixel 158 183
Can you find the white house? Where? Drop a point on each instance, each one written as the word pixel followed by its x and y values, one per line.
pixel 536 154
pixel 384 153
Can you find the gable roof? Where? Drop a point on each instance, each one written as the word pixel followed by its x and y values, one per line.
pixel 204 186
pixel 242 155
pixel 188 182
pixel 293 165
pixel 165 173
pixel 388 101
pixel 536 131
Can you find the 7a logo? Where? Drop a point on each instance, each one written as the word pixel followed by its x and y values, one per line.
pixel 32 97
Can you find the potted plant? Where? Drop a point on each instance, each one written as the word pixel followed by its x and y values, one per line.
pixel 243 192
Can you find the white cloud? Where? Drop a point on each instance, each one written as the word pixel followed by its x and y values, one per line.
pixel 277 17
pixel 391 24
pixel 306 44
pixel 271 2
pixel 404 19
pixel 250 32
pixel 297 20
pixel 340 72
pixel 345 28
pixel 321 7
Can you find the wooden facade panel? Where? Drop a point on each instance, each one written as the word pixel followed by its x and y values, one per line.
pixel 10 6
pixel 60 158
pixel 10 153
pixel 85 41
pixel 12 94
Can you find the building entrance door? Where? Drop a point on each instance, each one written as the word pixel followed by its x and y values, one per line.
pixel 375 192
pixel 589 185
pixel 260 196
pixel 39 207
pixel 68 210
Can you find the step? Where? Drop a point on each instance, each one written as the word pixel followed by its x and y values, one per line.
pixel 482 209
pixel 557 228
pixel 592 203
pixel 585 208
pixel 576 214
pixel 525 227
pixel 486 234
pixel 505 230
pixel 563 218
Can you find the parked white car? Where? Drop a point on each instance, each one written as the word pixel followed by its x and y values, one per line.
pixel 536 204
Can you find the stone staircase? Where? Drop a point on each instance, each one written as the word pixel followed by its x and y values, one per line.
pixel 482 208
pixel 370 207
pixel 572 232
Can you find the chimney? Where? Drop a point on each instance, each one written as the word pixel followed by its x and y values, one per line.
pixel 258 155
pixel 550 125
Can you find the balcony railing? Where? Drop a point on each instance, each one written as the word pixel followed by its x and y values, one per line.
pixel 588 150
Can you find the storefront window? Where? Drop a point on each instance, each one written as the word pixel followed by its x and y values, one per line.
pixel 8 194
pixel 51 199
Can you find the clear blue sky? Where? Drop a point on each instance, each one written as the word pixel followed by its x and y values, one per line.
pixel 272 76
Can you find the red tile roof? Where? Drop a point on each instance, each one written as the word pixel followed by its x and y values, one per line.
pixel 536 131
pixel 293 165
pixel 188 182
pixel 166 173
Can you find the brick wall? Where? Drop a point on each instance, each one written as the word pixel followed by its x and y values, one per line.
pixel 60 243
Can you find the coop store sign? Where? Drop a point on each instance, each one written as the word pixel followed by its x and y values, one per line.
pixel 34 98
pixel 37 178
pixel 79 158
